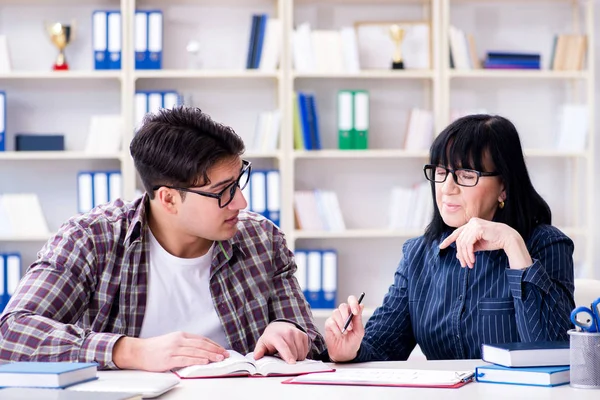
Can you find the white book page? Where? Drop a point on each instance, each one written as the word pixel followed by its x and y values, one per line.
pixel 235 363
pixel 270 365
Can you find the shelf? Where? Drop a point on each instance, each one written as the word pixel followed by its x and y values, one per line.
pixel 572 231
pixel 28 238
pixel 204 74
pixel 55 155
pixel 518 74
pixel 357 234
pixel 554 153
pixel 368 74
pixel 368 154
pixel 65 75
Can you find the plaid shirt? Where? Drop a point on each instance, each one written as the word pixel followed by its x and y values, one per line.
pixel 89 285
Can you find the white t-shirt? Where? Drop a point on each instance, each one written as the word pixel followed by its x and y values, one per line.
pixel 179 296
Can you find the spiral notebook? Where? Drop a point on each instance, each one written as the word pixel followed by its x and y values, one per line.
pixel 387 377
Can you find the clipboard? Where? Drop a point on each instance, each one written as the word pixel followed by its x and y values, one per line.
pixel 388 377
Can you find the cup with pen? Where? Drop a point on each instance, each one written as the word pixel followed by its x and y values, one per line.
pixel 585 346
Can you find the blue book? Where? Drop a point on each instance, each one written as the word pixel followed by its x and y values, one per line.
pixel 531 376
pixel 262 25
pixel 252 41
pixel 46 374
pixel 521 56
pixel 531 354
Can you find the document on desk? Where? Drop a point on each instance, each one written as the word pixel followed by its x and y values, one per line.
pixel 388 377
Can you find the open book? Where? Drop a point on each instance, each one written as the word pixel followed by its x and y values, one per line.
pixel 239 365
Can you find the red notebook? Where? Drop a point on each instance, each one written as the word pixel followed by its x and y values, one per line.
pixel 240 365
pixel 388 377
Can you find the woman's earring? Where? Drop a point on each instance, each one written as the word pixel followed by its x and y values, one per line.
pixel 501 205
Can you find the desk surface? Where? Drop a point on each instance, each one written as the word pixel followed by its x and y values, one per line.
pixel 271 388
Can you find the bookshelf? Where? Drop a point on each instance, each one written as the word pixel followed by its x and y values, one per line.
pixel 45 101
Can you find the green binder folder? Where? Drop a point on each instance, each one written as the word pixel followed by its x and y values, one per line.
pixel 361 119
pixel 346 119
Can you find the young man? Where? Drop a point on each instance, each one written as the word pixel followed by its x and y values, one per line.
pixel 171 279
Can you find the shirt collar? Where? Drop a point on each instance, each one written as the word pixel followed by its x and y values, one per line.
pixel 139 221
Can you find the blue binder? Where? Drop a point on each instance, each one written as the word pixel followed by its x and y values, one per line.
pixel 252 41
pixel 140 40
pixel 2 121
pixel 155 39
pixel 262 25
pixel 114 39
pixel 273 196
pixel 100 39
pixel 329 269
pixel 10 274
pixel 305 121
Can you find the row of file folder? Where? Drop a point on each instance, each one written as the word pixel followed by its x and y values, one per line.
pixel 263 194
pixel 2 121
pixel 10 275
pixel 317 276
pixel 306 122
pixel 151 101
pixel 97 187
pixel 353 119
pixel 107 39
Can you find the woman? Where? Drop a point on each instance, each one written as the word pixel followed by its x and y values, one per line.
pixel 489 269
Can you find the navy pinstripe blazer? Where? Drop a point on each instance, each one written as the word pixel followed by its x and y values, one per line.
pixel 450 311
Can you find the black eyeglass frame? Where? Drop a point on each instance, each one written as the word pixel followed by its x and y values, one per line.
pixel 232 187
pixel 453 172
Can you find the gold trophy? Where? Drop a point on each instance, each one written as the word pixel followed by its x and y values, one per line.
pixel 60 35
pixel 397 34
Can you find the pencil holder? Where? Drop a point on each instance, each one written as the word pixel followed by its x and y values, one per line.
pixel 585 359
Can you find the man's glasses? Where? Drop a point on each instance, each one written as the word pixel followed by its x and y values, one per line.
pixel 462 176
pixel 226 195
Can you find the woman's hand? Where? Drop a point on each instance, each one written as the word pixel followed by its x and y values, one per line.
pixel 344 346
pixel 483 235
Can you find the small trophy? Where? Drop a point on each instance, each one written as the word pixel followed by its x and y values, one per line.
pixel 60 35
pixel 397 34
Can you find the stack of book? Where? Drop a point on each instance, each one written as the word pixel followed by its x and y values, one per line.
pixel 318 210
pixel 533 364
pixel 512 60
pixel 264 45
pixel 568 53
pixel 307 135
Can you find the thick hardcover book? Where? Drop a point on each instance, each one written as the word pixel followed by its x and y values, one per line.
pixel 533 354
pixel 530 376
pixel 46 374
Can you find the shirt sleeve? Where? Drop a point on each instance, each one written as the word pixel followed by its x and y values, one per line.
pixel 543 292
pixel 289 303
pixel 38 323
pixel 388 333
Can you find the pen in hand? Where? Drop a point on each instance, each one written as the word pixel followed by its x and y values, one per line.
pixel 360 299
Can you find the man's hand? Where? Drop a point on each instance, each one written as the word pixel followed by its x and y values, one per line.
pixel 162 353
pixel 283 338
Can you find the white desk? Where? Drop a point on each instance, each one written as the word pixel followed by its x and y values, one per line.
pixel 271 388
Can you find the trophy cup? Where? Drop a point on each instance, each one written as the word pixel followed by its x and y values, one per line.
pixel 60 35
pixel 397 34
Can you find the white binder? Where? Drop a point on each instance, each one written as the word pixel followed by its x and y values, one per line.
pixel 329 278
pixel 114 40
pixel 115 185
pixel 155 39
pixel 273 196
pixel 258 192
pixel 100 188
pixel 13 273
pixel 155 102
pixel 99 39
pixel 2 121
pixel 85 192
pixel 141 108
pixel 140 39
pixel 314 279
pixel 301 269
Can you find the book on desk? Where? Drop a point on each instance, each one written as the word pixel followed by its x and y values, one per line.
pixel 530 376
pixel 57 375
pixel 531 354
pixel 240 365
pixel 54 394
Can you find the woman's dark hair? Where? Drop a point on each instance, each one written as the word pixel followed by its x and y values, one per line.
pixel 470 140
pixel 178 147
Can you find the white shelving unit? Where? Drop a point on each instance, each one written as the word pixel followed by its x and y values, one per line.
pixel 40 100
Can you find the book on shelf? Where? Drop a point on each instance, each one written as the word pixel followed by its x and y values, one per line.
pixel 568 52
pixel 388 377
pixel 263 194
pixel 10 275
pixel 318 210
pixel 267 131
pixel 21 215
pixel 353 119
pixel 530 354
pixel 264 44
pixel 4 55
pixel 419 132
pixel 307 134
pixel 104 134
pixel 512 60
pixel 46 374
pixel 573 125
pixel 148 39
pixel 530 376
pixel 53 394
pixel 245 365
pixel 316 274
pixel 410 208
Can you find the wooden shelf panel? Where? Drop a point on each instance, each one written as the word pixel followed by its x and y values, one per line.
pixel 204 74
pixel 55 155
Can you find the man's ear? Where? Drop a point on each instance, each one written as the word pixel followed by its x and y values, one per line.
pixel 168 199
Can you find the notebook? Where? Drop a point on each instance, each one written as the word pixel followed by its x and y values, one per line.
pixel 46 374
pixel 388 377
pixel 533 354
pixel 148 384
pixel 531 376
pixel 54 394
pixel 240 365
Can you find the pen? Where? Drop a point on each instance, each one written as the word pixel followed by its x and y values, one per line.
pixel 360 299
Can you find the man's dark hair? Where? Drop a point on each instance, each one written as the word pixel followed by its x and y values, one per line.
pixel 178 147
pixel 465 144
